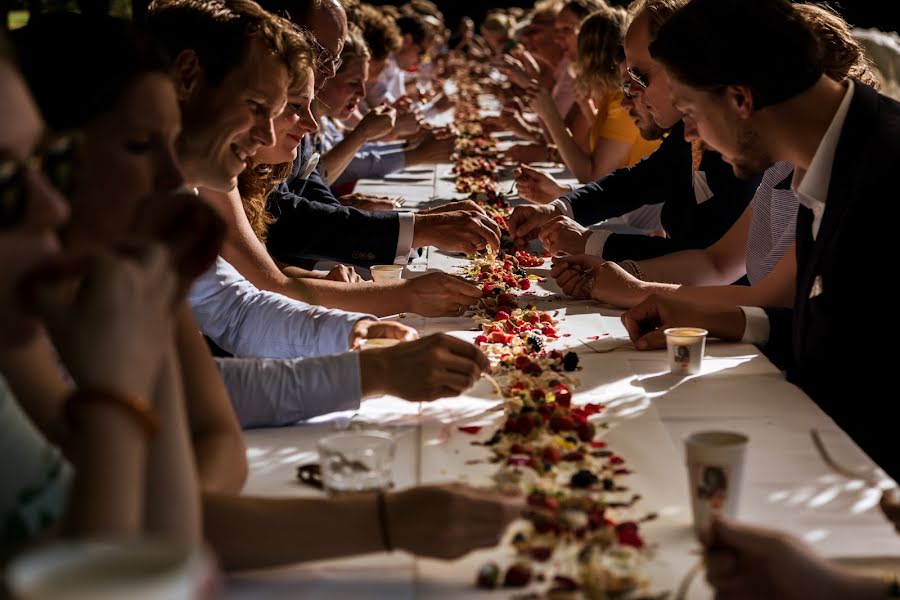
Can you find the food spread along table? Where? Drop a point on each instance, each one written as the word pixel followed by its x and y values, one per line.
pixel 646 416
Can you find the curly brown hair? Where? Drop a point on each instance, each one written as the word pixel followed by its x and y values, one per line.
pixel 380 31
pixel 844 56
pixel 255 184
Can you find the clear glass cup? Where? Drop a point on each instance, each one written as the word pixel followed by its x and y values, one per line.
pixel 353 462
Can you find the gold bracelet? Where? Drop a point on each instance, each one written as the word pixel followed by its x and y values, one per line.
pixel 146 418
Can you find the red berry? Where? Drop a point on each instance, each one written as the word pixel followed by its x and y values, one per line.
pixel 524 284
pixel 481 339
pixel 563 395
pixel 546 318
pixel 560 422
pixel 502 315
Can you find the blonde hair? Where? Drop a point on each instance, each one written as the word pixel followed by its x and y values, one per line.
pixel 599 42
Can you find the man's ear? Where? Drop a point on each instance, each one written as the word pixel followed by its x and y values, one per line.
pixel 740 97
pixel 187 73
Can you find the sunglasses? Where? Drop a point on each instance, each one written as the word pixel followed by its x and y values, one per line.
pixel 638 77
pixel 54 159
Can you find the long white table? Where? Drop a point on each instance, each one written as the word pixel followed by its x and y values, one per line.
pixel 786 486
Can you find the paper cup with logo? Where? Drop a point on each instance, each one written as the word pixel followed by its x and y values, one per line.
pixel 685 346
pixel 131 570
pixel 386 272
pixel 715 461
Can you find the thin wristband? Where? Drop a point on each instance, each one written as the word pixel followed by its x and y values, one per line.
pixel 144 416
pixel 383 523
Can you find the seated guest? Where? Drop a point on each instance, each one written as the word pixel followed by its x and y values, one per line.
pixel 842 140
pixel 614 140
pixel 126 116
pixel 567 26
pixel 434 294
pixel 391 83
pixel 702 198
pixel 245 532
pixel 128 471
pixel 382 37
pixel 348 156
pixel 760 245
pixel 497 31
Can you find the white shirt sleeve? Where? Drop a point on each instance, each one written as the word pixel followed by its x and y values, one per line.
pixel 596 242
pixel 757 328
pixel 405 238
pixel 562 205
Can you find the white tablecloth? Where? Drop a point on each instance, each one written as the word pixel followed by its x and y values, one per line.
pixel 786 485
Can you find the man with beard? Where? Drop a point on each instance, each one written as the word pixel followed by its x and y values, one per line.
pixel 843 140
pixel 700 194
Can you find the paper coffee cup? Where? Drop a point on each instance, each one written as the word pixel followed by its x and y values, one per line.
pixel 386 272
pixel 685 346
pixel 715 461
pixel 134 570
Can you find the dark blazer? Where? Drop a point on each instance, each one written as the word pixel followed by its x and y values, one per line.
pixel 313 225
pixel 665 177
pixel 830 344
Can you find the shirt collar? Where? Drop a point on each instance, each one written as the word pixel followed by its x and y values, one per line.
pixel 811 185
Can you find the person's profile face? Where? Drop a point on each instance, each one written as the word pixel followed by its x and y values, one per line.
pixel 295 121
pixel 711 116
pixel 225 125
pixel 566 33
pixel 651 83
pixel 328 23
pixel 341 95
pixel 28 237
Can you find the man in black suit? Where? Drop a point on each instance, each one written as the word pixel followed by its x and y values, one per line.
pixel 759 99
pixel 701 199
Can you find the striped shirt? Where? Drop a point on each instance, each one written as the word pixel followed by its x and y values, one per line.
pixel 774 223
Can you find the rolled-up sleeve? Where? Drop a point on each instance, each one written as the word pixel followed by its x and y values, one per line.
pixel 246 321
pixel 276 392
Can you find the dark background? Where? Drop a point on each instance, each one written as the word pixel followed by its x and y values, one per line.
pixel 883 14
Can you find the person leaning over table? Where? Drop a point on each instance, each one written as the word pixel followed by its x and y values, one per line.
pixel 126 469
pixel 433 294
pixel 843 140
pixel 312 224
pixel 701 196
pixel 346 154
pixel 760 244
pixel 245 532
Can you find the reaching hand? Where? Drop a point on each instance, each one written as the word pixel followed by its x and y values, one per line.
pixel 538 187
pixel 343 273
pixel 367 329
pixel 540 100
pixel 378 122
pixel 437 366
pixel 562 235
pixel 466 205
pixel 113 326
pixel 586 276
pixel 449 521
pixel 744 562
pixel 441 295
pixel 647 321
pixel 525 221
pixel 368 202
pixel 432 150
pixel 457 231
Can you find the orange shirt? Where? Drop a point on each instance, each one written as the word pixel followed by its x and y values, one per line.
pixel 614 123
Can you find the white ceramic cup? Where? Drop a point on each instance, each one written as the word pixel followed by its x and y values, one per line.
pixel 386 272
pixel 685 346
pixel 133 570
pixel 715 462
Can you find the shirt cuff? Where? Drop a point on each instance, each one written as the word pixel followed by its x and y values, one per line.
pixel 562 206
pixel 757 328
pixel 595 244
pixel 405 238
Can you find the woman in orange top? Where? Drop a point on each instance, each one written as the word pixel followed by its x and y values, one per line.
pixel 615 140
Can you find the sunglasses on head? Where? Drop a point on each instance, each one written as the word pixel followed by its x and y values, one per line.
pixel 54 159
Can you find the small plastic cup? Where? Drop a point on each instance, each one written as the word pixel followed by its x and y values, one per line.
pixel 686 346
pixel 353 462
pixel 715 461
pixel 386 272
